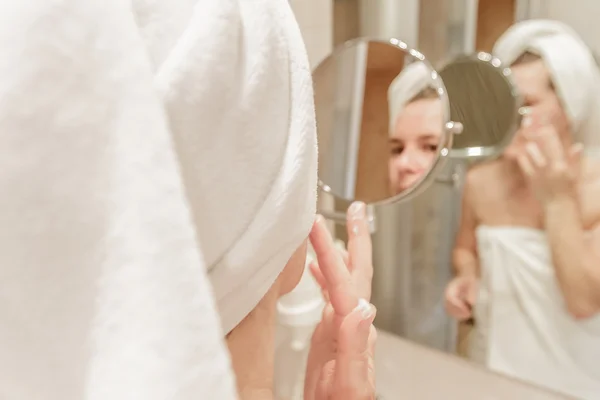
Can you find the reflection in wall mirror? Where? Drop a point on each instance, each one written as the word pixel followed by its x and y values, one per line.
pixel 521 319
pixel 507 280
pixel 379 142
pixel 518 249
pixel 483 97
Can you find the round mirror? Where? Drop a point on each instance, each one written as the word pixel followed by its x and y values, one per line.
pixel 382 121
pixel 484 99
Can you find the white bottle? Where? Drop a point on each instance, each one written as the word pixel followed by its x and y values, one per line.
pixel 299 312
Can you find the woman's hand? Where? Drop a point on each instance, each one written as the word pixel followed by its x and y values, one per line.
pixel 460 296
pixel 340 362
pixel 552 170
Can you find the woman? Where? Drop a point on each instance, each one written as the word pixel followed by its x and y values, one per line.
pixel 147 148
pixel 525 254
pixel 416 120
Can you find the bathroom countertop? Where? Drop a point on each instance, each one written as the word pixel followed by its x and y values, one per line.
pixel 406 370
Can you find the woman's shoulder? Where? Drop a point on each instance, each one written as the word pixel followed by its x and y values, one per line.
pixel 482 174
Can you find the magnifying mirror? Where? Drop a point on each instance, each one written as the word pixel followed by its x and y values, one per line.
pixel 387 120
pixel 484 99
pixel 383 121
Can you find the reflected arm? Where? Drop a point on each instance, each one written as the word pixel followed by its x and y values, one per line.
pixel 575 255
pixel 464 256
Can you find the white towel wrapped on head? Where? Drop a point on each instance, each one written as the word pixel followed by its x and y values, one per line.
pixel 413 79
pixel 139 151
pixel 243 123
pixel 572 67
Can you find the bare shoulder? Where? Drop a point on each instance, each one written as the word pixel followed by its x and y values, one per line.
pixel 480 181
pixel 480 176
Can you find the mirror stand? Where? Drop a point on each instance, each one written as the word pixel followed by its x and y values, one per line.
pixel 340 217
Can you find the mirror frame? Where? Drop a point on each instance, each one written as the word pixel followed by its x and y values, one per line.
pixel 482 153
pixel 447 131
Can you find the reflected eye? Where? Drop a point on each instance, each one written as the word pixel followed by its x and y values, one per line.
pixel 395 150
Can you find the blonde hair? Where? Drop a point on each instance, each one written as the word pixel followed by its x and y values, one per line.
pixel 426 94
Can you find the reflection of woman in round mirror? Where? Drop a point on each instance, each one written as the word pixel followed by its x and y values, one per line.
pixel 526 256
pixel 416 119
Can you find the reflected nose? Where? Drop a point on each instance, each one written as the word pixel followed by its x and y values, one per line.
pixel 409 163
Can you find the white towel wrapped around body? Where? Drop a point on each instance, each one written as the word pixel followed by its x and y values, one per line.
pixel 523 328
pixel 139 150
pixel 572 67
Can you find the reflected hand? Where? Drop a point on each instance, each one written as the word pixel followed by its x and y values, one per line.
pixel 552 170
pixel 460 296
pixel 340 362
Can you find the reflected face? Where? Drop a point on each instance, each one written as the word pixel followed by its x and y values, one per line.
pixel 534 82
pixel 414 143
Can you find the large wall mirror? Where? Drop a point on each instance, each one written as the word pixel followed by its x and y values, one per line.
pixel 445 145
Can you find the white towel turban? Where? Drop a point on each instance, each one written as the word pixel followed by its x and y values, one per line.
pixel 410 81
pixel 572 66
pixel 242 118
pixel 136 149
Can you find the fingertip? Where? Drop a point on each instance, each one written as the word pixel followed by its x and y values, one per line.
pixel 316 223
pixel 356 220
pixel 357 210
pixel 367 322
pixel 355 328
pixel 316 233
pixel 366 312
pixel 362 312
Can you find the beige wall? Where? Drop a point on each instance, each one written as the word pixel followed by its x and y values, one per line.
pixel 582 15
pixel 315 18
